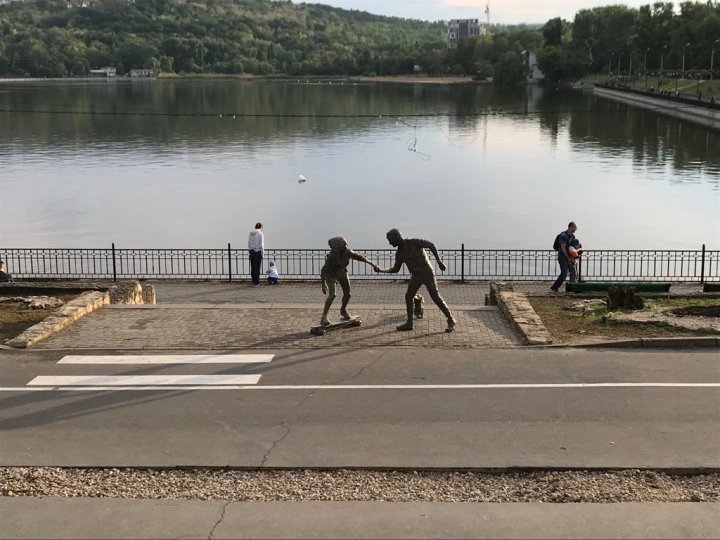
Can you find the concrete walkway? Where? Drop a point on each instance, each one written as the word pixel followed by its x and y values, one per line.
pixel 363 292
pixel 221 315
pixel 235 315
pixel 122 518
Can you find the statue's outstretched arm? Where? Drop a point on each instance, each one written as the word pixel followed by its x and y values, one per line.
pixel 364 259
pixel 394 270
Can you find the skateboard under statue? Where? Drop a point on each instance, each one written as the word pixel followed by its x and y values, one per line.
pixel 321 330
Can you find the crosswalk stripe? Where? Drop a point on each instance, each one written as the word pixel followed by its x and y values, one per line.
pixel 168 359
pixel 144 380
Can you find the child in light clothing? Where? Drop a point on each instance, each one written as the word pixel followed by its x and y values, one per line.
pixel 272 274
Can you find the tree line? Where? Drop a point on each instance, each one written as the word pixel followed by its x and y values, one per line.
pixel 56 38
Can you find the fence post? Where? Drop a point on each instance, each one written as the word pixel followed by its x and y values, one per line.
pixel 114 266
pixel 702 266
pixel 229 263
pixel 462 263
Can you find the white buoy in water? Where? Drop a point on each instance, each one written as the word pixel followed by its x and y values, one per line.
pixel 301 179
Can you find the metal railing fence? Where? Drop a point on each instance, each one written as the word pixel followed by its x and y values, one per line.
pixel 298 264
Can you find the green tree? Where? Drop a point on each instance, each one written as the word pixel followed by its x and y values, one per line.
pixel 510 69
pixel 166 64
pixel 552 32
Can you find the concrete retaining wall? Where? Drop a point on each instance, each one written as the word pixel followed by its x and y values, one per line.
pixel 61 318
pixel 683 111
pixel 517 309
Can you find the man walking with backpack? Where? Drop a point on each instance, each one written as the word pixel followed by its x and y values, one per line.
pixel 561 245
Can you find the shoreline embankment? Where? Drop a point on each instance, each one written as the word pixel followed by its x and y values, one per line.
pixel 681 108
pixel 394 79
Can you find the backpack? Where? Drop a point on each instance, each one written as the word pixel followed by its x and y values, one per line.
pixel 556 243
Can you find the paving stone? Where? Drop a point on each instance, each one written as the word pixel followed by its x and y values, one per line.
pixel 240 327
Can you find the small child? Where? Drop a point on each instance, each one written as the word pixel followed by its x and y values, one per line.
pixel 272 274
pixel 574 250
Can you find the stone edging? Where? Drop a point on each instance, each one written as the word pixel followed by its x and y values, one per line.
pixel 61 318
pixel 516 307
pixel 648 343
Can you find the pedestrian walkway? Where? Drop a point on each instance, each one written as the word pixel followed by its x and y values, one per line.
pixel 233 326
pixel 215 315
pixel 363 292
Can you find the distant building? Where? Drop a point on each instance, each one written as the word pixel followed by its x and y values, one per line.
pixel 104 72
pixel 142 73
pixel 462 28
pixel 534 73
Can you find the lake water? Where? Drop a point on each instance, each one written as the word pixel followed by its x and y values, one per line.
pixel 190 164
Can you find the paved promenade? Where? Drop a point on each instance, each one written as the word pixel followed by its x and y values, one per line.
pixel 363 292
pixel 236 315
pixel 221 315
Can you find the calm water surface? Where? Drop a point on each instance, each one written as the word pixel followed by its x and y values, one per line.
pixel 488 168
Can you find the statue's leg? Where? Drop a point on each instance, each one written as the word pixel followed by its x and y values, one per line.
pixel 345 284
pixel 328 302
pixel 413 288
pixel 431 285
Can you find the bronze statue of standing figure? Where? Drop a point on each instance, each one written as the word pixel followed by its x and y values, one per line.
pixel 335 270
pixel 411 251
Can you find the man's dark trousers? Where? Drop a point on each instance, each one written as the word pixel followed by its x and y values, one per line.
pixel 564 269
pixel 255 263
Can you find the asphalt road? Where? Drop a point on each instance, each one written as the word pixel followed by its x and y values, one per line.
pixel 427 408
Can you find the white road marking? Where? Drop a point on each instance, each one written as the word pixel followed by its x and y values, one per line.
pixel 146 380
pixel 197 384
pixel 169 359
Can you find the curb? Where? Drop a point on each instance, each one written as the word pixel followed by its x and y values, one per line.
pixel 518 310
pixel 645 343
pixel 61 318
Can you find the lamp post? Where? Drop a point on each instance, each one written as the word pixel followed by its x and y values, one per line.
pixel 662 57
pixel 645 66
pixel 683 67
pixel 712 57
pixel 610 65
pixel 619 60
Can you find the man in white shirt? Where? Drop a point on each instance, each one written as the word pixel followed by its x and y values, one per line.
pixel 256 248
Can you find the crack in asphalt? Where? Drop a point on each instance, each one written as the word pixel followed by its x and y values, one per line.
pixel 360 371
pixel 219 521
pixel 275 443
pixel 284 425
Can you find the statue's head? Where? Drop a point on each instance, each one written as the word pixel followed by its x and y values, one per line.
pixel 394 236
pixel 338 243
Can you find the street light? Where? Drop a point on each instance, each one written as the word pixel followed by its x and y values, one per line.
pixel 619 60
pixel 610 65
pixel 683 66
pixel 712 57
pixel 645 66
pixel 662 57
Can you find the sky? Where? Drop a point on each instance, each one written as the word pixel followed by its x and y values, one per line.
pixel 501 11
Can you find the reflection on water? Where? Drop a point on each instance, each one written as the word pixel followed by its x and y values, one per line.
pixel 196 163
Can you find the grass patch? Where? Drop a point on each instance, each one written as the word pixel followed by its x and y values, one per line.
pixel 574 325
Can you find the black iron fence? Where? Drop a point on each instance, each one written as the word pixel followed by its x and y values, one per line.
pixel 297 264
